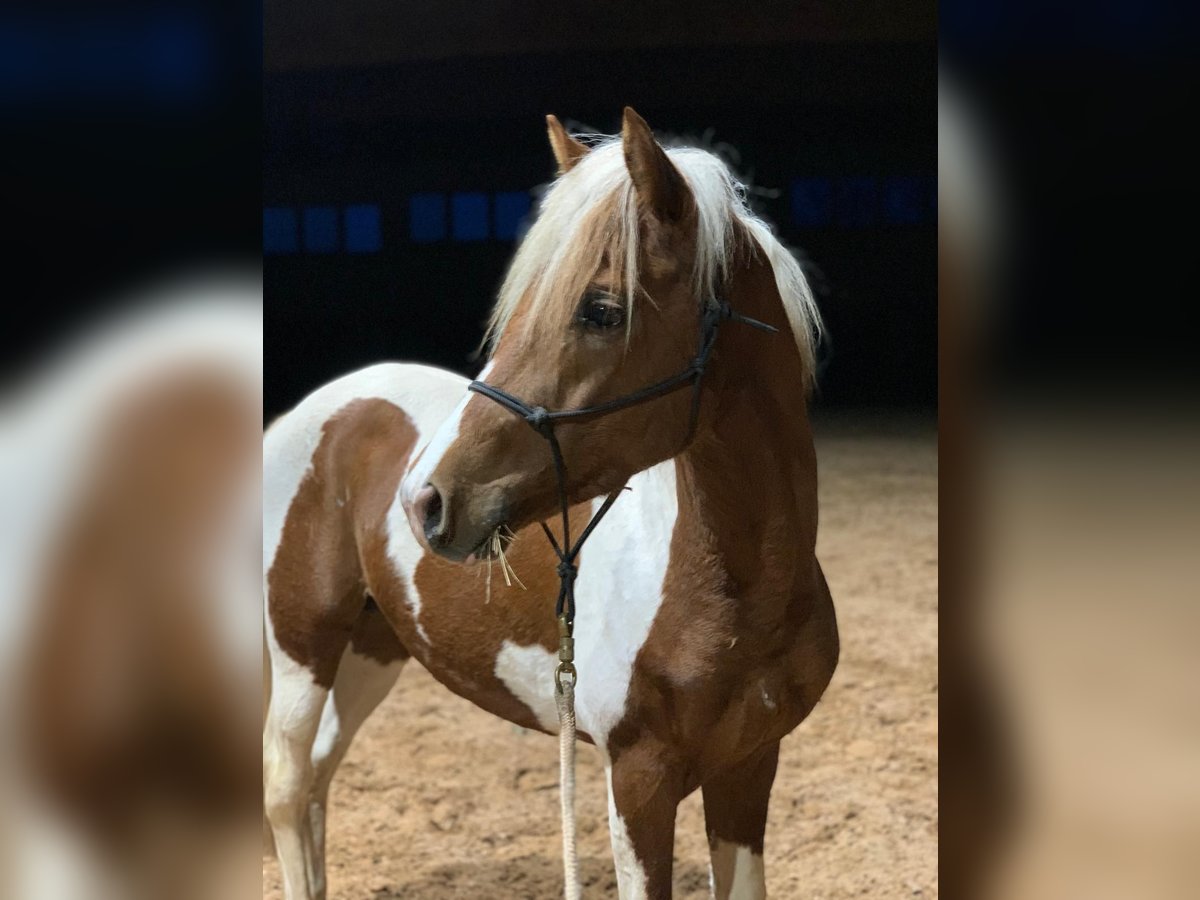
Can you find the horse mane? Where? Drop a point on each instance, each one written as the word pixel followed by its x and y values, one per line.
pixel 593 209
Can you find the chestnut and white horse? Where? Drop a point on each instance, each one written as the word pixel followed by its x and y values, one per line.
pixel 705 630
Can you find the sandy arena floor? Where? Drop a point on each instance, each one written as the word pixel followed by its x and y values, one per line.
pixel 440 800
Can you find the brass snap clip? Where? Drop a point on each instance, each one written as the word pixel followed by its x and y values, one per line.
pixel 566 654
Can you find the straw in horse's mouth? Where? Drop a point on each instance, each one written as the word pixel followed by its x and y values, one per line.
pixel 494 548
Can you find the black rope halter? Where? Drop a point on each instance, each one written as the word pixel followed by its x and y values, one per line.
pixel 543 421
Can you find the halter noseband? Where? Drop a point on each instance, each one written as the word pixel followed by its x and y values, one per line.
pixel 543 421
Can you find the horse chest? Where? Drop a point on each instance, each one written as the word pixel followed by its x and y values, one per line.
pixel 477 646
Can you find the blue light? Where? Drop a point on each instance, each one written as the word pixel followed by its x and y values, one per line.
pixel 364 233
pixel 105 55
pixel 812 202
pixel 179 56
pixel 470 217
pixel 320 229
pixel 908 200
pixel 279 230
pixel 511 209
pixel 427 217
pixel 857 201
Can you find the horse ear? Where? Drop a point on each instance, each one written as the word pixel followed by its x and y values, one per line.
pixel 567 150
pixel 660 188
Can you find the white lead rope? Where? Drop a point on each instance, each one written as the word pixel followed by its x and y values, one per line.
pixel 564 697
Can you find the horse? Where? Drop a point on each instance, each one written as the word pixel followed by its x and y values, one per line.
pixel 704 630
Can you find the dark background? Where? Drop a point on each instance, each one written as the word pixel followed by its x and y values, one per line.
pixel 427 121
pixel 131 147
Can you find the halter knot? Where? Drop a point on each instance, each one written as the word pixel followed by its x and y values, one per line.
pixel 540 419
pixel 567 571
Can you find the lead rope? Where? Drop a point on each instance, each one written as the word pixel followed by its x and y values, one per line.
pixel 564 698
pixel 565 677
pixel 565 674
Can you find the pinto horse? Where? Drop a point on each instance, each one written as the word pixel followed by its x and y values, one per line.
pixel 704 632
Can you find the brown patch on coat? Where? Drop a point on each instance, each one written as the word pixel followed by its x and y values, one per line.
pixel 316 590
pixel 735 803
pixel 374 638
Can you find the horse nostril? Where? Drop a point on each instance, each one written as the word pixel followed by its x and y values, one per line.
pixel 429 509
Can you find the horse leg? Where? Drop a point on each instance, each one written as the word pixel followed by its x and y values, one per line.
pixel 293 718
pixel 644 791
pixel 735 817
pixel 367 672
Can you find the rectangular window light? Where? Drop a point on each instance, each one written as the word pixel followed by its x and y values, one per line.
pixel 280 230
pixel 361 225
pixel 812 202
pixel 512 208
pixel 470 217
pixel 320 229
pixel 427 217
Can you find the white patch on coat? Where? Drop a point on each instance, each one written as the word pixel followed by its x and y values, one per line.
pixel 631 876
pixel 443 438
pixel 749 876
pixel 360 685
pixel 743 869
pixel 404 553
pixel 528 673
pixel 618 593
pixel 291 685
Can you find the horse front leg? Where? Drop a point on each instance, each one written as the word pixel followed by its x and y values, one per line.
pixel 644 790
pixel 735 817
pixel 362 684
pixel 292 723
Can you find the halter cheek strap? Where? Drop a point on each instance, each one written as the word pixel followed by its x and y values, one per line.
pixel 543 421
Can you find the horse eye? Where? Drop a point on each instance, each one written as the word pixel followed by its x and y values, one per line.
pixel 599 311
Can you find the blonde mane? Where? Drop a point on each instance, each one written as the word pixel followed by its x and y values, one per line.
pixel 592 209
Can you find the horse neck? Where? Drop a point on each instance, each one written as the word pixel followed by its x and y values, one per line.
pixel 747 484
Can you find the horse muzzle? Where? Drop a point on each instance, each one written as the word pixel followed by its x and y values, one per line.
pixel 456 525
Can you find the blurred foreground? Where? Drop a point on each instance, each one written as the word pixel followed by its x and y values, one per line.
pixel 130 615
pixel 1069 435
